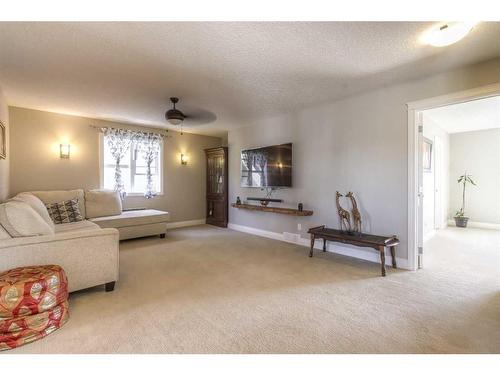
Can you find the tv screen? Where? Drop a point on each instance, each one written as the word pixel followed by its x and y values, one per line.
pixel 267 166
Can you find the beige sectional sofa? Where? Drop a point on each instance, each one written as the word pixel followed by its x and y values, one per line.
pixel 87 250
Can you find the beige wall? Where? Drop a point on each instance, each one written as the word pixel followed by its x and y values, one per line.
pixel 4 163
pixel 35 164
pixel 357 144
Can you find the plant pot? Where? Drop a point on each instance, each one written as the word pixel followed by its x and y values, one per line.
pixel 461 221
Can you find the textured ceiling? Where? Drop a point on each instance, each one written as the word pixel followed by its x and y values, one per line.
pixel 475 115
pixel 239 71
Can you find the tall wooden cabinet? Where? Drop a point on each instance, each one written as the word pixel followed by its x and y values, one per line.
pixel 217 198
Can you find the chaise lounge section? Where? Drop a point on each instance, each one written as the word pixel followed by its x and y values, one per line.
pixel 136 223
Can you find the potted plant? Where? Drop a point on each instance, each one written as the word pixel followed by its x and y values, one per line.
pixel 460 218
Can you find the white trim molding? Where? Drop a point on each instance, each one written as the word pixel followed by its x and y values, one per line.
pixel 188 223
pixel 414 108
pixel 353 252
pixel 476 224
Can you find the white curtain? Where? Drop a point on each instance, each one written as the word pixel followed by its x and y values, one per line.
pixel 118 141
pixel 149 144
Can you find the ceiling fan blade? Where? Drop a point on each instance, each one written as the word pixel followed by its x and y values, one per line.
pixel 199 117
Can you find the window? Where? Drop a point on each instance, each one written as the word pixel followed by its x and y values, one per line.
pixel 133 168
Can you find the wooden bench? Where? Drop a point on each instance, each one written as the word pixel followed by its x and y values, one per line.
pixel 379 243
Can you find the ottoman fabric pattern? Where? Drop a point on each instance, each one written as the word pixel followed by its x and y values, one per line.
pixel 26 329
pixel 33 303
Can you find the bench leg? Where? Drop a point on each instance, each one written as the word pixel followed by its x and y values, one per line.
pixel 312 246
pixel 162 235
pixel 324 244
pixel 109 287
pixel 393 256
pixel 381 249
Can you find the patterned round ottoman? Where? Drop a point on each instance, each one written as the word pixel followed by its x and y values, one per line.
pixel 33 303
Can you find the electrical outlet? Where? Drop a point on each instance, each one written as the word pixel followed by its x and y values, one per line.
pixel 299 226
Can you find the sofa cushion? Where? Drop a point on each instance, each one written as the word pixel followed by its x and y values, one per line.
pixel 35 204
pixel 77 226
pixel 65 212
pixel 56 196
pixel 100 203
pixel 3 233
pixel 20 220
pixel 132 218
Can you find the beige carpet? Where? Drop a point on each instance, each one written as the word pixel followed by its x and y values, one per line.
pixel 210 290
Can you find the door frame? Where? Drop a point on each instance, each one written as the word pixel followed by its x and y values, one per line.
pixel 439 201
pixel 414 153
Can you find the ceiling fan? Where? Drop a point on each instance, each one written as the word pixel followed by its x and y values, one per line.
pixel 196 116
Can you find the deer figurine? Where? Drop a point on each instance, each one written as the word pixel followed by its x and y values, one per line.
pixel 344 216
pixel 356 216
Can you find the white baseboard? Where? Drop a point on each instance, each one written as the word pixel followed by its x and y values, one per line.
pixel 477 224
pixel 188 223
pixel 359 253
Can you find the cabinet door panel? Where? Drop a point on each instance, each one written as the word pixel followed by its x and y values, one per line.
pixel 217 202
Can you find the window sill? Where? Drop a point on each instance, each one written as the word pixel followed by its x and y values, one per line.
pixel 140 195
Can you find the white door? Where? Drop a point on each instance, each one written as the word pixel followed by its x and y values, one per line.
pixel 438 183
pixel 420 211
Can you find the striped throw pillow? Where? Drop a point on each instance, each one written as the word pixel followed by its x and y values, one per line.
pixel 65 212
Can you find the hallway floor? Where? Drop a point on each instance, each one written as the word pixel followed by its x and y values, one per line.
pixel 472 252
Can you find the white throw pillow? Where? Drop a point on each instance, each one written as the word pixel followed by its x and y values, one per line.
pixel 35 204
pixel 100 203
pixel 20 220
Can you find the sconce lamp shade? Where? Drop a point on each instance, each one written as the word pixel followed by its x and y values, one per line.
pixel 184 159
pixel 64 151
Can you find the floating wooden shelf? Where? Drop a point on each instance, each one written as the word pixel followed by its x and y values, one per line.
pixel 277 210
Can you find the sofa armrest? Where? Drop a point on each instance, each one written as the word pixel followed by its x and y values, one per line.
pixel 34 240
pixel 89 257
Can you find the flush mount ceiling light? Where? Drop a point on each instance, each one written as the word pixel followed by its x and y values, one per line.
pixel 447 34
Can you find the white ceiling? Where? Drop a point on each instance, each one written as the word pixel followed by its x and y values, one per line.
pixel 475 115
pixel 240 71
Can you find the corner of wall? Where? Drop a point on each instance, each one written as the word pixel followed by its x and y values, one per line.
pixel 4 163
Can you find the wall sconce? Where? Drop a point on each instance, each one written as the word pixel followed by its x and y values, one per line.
pixel 184 159
pixel 64 151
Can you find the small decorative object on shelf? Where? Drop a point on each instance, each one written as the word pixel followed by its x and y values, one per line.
pixel 238 200
pixel 344 216
pixel 356 216
pixel 300 207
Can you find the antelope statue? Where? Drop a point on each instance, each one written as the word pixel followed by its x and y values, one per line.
pixel 344 216
pixel 356 216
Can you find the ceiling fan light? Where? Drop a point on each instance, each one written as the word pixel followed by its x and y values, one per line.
pixel 174 121
pixel 174 116
pixel 447 34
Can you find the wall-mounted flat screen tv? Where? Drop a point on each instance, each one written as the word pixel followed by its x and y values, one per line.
pixel 267 166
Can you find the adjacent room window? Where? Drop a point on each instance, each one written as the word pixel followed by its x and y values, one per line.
pixel 133 168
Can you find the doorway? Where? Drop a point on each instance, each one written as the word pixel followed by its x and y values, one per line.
pixel 432 169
